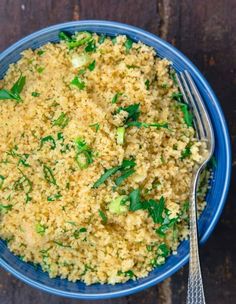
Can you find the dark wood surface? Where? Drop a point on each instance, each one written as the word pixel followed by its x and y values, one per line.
pixel 205 31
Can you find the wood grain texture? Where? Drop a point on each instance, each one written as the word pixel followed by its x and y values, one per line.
pixel 205 32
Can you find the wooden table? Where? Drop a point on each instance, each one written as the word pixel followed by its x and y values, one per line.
pixel 205 31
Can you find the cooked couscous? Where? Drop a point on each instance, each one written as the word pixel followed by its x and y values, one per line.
pixel 97 151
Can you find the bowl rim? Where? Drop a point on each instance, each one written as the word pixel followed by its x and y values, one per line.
pixel 210 228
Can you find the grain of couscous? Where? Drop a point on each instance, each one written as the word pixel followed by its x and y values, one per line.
pixel 97 150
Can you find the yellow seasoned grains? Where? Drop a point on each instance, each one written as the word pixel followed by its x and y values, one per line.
pixel 77 198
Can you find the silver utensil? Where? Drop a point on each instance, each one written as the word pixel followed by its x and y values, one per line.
pixel 204 132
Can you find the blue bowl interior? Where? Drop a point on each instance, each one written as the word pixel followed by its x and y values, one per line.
pixel 216 195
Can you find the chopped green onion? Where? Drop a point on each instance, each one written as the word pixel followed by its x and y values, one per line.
pixel 139 124
pixel 84 155
pixel 54 197
pixel 48 175
pixel 96 126
pixel 50 140
pixel 15 91
pixel 35 94
pixel 80 84
pixel 125 175
pixel 2 178
pixel 126 164
pixel 103 216
pixel 117 205
pixel 23 160
pixel 61 244
pixel 163 250
pixel 177 96
pixel 120 132
pixel 5 208
pixel 62 121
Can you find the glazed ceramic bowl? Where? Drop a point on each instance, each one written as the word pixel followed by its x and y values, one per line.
pixel 216 195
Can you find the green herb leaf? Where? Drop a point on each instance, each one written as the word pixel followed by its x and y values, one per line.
pixel 103 216
pixel 23 160
pixel 80 39
pixel 35 94
pixel 62 121
pixel 147 84
pixel 114 40
pixel 155 209
pixel 40 69
pixel 96 126
pixel 65 36
pixel 61 244
pixel 15 91
pixel 40 229
pixel 186 153
pixel 188 116
pixel 78 82
pixel 101 39
pixel 128 44
pixel 177 96
pixel 77 232
pixel 40 52
pixel 105 176
pixel 54 197
pixel 48 175
pixel 139 124
pixel 115 97
pixel 50 140
pixel 135 202
pixel 132 110
pixel 2 178
pixel 4 94
pixel 92 65
pixel 163 250
pixel 18 86
pixel 91 46
pixel 124 176
pixel 5 208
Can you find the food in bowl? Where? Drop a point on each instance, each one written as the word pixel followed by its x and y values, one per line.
pixel 97 153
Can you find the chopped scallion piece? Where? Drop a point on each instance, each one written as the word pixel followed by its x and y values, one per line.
pixel 50 140
pixel 5 208
pixel 54 197
pixel 120 135
pixel 91 46
pixel 117 205
pixel 62 121
pixel 186 152
pixel 84 155
pixel 15 91
pixel 115 97
pixel 96 126
pixel 48 175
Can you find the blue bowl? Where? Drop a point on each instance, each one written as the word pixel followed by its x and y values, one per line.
pixel 215 198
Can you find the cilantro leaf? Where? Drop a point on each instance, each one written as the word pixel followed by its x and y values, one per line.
pixel 135 202
pixel 78 82
pixel 128 44
pixel 188 116
pixel 155 209
pixel 92 65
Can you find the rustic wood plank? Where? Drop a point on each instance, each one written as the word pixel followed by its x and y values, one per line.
pixel 205 32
